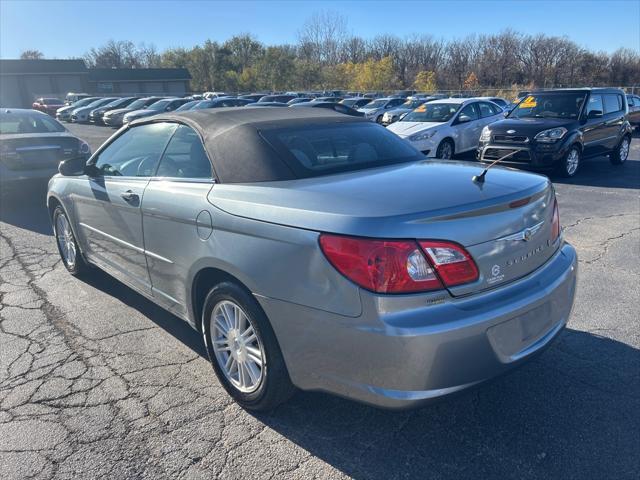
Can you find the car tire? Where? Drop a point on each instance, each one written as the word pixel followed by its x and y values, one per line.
pixel 621 153
pixel 67 244
pixel 233 347
pixel 570 163
pixel 445 149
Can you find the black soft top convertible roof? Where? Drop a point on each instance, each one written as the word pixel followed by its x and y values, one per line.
pixel 231 137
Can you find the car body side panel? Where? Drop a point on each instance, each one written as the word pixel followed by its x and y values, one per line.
pixel 185 234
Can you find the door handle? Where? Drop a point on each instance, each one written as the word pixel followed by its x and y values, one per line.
pixel 129 196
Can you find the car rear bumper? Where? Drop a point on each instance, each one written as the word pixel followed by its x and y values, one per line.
pixel 406 350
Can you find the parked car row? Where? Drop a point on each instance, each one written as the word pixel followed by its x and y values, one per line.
pixel 548 130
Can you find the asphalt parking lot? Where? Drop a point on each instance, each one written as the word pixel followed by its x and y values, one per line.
pixel 96 381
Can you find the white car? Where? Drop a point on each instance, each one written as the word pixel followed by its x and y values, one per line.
pixel 444 127
pixel 81 115
pixel 374 110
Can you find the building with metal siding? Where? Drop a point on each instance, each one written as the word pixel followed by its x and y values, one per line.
pixel 22 81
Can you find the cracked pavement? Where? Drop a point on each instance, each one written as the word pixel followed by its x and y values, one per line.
pixel 98 382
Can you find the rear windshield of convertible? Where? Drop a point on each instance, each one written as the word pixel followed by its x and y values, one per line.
pixel 339 147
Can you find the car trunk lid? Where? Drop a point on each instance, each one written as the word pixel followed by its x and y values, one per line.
pixel 426 200
pixel 34 151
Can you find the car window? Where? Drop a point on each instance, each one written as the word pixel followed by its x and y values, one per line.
pixel 316 149
pixel 136 152
pixel 470 111
pixel 630 101
pixel 595 104
pixel 612 103
pixel 184 156
pixel 15 123
pixel 486 109
pixel 396 102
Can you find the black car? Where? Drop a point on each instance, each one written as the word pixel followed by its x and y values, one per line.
pixel 557 129
pixel 284 98
pixel 222 102
pixel 95 116
pixel 634 110
pixel 336 107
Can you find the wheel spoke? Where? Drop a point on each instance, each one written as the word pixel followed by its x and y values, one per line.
pixel 254 373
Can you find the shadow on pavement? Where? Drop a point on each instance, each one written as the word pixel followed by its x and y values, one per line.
pixel 173 325
pixel 25 207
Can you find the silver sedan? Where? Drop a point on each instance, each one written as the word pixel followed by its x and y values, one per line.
pixel 320 251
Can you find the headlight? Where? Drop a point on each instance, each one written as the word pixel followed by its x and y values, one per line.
pixel 485 136
pixel 423 135
pixel 551 135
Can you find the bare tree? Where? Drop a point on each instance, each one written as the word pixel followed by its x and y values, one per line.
pixel 322 36
pixel 31 55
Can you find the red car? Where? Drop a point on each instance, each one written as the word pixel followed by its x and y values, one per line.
pixel 48 105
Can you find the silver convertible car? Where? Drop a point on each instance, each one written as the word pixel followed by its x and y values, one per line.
pixel 320 251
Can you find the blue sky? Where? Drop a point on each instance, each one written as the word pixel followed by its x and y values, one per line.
pixel 62 29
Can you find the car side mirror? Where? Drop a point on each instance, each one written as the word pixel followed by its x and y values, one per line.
pixel 464 119
pixel 73 167
pixel 595 114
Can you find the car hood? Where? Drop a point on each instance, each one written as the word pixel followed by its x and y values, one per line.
pixel 530 126
pixel 68 108
pixel 399 111
pixel 84 110
pixel 409 128
pixel 118 111
pixel 142 113
pixel 426 199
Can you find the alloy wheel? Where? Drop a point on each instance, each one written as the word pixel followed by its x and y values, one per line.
pixel 237 348
pixel 64 237
pixel 445 151
pixel 573 160
pixel 623 151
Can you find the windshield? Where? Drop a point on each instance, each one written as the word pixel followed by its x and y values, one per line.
pixel 138 104
pixel 84 102
pixel 376 104
pixel 321 149
pixel 412 104
pixel 187 106
pixel 159 105
pixel 100 102
pixel 549 105
pixel 12 123
pixel 432 112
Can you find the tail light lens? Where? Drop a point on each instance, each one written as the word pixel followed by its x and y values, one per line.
pixel 555 222
pixel 452 262
pixel 399 266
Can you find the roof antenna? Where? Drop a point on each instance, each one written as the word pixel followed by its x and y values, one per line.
pixel 480 178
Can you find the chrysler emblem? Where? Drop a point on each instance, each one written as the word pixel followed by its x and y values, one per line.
pixel 524 235
pixel 511 131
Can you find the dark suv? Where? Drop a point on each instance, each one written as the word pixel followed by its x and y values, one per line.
pixel 557 129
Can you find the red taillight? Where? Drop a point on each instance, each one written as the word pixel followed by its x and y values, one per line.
pixel 399 266
pixel 453 263
pixel 555 222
